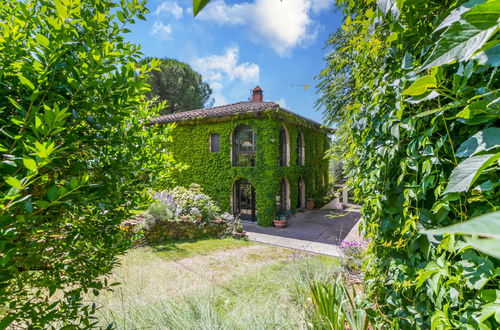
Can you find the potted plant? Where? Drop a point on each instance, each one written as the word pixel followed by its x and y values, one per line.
pixel 217 220
pixel 310 204
pixel 185 218
pixel 280 221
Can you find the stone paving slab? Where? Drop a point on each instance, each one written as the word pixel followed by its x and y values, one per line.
pixel 296 244
pixel 317 231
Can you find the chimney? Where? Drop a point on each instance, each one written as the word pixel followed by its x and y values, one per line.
pixel 257 94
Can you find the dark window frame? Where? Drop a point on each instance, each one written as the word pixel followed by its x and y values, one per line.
pixel 300 149
pixel 283 147
pixel 214 148
pixel 242 155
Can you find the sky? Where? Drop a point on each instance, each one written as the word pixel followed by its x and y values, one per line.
pixel 237 45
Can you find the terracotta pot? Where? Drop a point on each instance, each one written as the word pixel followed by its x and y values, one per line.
pixel 198 219
pixel 280 223
pixel 217 220
pixel 185 218
pixel 310 204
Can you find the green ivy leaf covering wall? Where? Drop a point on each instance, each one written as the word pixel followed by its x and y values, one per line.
pixel 214 172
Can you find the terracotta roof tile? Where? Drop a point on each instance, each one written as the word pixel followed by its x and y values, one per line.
pixel 226 111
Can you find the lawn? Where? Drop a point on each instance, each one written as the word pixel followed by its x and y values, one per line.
pixel 213 284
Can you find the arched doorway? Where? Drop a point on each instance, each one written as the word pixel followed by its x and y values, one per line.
pixel 244 200
pixel 301 193
pixel 283 199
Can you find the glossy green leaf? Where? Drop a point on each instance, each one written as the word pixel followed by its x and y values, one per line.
pixel 52 193
pixel 30 164
pixel 25 81
pixel 487 225
pixel 468 171
pixel 458 43
pixel 484 15
pixel 13 182
pixel 456 14
pixel 421 85
pixel 424 97
pixel 490 56
pixel 198 5
pixel 489 246
pixel 42 40
pixel 481 141
pixel 121 16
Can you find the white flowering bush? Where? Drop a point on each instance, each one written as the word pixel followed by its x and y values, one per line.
pixel 192 202
pixel 178 202
pixel 166 218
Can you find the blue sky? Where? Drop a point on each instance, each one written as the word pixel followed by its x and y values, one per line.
pixel 236 45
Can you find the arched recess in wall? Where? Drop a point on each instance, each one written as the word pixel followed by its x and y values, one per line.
pixel 284 147
pixel 243 146
pixel 301 193
pixel 283 198
pixel 300 146
pixel 243 199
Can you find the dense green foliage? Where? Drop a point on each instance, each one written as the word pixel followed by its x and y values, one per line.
pixel 213 171
pixel 420 134
pixel 177 84
pixel 76 158
pixel 185 213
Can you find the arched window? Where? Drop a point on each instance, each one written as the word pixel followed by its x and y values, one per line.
pixel 300 149
pixel 243 146
pixel 284 156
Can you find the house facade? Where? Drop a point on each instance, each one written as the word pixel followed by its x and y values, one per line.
pixel 254 158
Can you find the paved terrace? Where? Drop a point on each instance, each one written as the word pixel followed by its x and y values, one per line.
pixel 312 231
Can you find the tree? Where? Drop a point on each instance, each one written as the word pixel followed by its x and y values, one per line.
pixel 76 157
pixel 179 85
pixel 420 137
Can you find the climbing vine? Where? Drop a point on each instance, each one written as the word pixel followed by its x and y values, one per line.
pixel 421 139
pixel 214 172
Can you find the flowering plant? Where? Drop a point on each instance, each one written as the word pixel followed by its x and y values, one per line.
pixel 354 253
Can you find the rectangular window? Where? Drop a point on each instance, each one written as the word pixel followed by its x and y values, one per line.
pixel 214 142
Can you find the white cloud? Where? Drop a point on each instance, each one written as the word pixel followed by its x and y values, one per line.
pixel 218 67
pixel 320 5
pixel 169 7
pixel 282 102
pixel 219 99
pixel 161 31
pixel 282 25
pixel 219 70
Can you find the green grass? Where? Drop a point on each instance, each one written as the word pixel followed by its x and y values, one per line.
pixel 176 250
pixel 225 284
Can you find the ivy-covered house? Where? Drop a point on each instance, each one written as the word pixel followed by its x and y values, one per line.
pixel 255 158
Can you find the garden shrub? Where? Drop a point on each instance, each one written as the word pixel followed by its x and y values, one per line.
pixel 76 159
pixel 413 88
pixel 185 213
